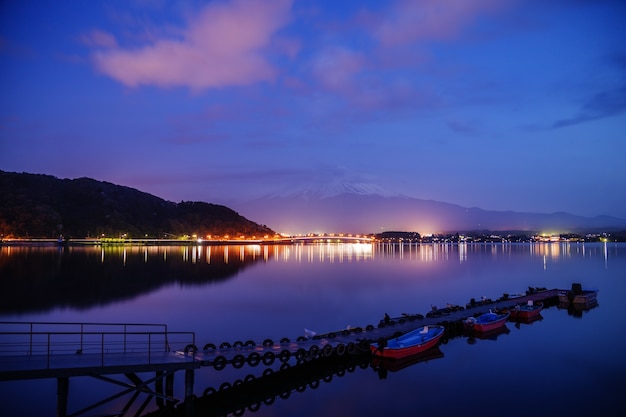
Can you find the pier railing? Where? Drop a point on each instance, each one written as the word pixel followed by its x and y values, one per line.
pixel 54 340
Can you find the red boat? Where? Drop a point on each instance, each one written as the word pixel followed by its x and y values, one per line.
pixel 394 365
pixel 526 311
pixel 487 321
pixel 411 343
pixel 529 320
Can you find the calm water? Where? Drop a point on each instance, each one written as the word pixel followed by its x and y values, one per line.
pixel 564 364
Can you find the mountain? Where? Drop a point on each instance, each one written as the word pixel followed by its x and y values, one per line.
pixel 33 205
pixel 332 188
pixel 362 212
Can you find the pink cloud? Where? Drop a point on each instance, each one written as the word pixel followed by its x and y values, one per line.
pixel 223 45
pixel 378 77
pixel 335 67
pixel 289 47
pixel 358 80
pixel 414 20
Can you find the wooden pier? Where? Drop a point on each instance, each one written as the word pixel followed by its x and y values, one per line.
pixel 345 341
pixel 43 350
pixel 48 360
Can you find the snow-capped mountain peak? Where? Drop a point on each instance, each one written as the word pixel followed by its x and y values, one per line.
pixel 327 190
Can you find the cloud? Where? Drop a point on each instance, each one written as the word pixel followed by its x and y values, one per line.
pixel 384 69
pixel 336 66
pixel 464 127
pixel 223 45
pixel 603 104
pixel 410 21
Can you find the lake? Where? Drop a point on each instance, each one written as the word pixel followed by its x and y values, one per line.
pixel 568 363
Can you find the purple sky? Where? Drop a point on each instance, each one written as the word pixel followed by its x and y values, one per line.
pixel 504 105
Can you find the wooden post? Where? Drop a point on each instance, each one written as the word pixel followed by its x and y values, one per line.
pixel 189 404
pixel 63 388
pixel 189 377
pixel 158 387
pixel 169 384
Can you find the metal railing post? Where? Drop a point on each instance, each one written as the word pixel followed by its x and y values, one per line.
pixel 167 343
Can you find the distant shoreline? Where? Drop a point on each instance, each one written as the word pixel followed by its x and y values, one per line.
pixel 440 239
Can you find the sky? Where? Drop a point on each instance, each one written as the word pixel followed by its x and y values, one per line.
pixel 497 104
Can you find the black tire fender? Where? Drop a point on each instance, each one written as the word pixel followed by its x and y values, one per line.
pixel 268 358
pixel 254 359
pixel 239 361
pixel 219 363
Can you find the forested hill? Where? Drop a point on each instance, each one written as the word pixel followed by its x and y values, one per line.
pixel 33 205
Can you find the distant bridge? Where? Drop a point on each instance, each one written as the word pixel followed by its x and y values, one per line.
pixel 339 238
pixel 326 239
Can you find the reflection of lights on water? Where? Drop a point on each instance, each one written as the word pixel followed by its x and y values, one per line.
pixel 334 252
pixel 325 252
pixel 549 249
pixel 339 252
pixel 462 252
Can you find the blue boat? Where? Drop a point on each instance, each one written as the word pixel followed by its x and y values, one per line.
pixel 411 343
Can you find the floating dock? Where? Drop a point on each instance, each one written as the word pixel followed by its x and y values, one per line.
pixel 42 350
pixel 155 352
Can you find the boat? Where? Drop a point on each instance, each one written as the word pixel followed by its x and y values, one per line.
pixel 578 295
pixel 487 321
pixel 526 311
pixel 383 365
pixel 529 320
pixel 411 343
pixel 492 334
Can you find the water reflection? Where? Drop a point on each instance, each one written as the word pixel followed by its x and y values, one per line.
pixel 577 310
pixel 521 320
pixel 252 392
pixel 41 278
pixel 488 335
pixel 37 279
